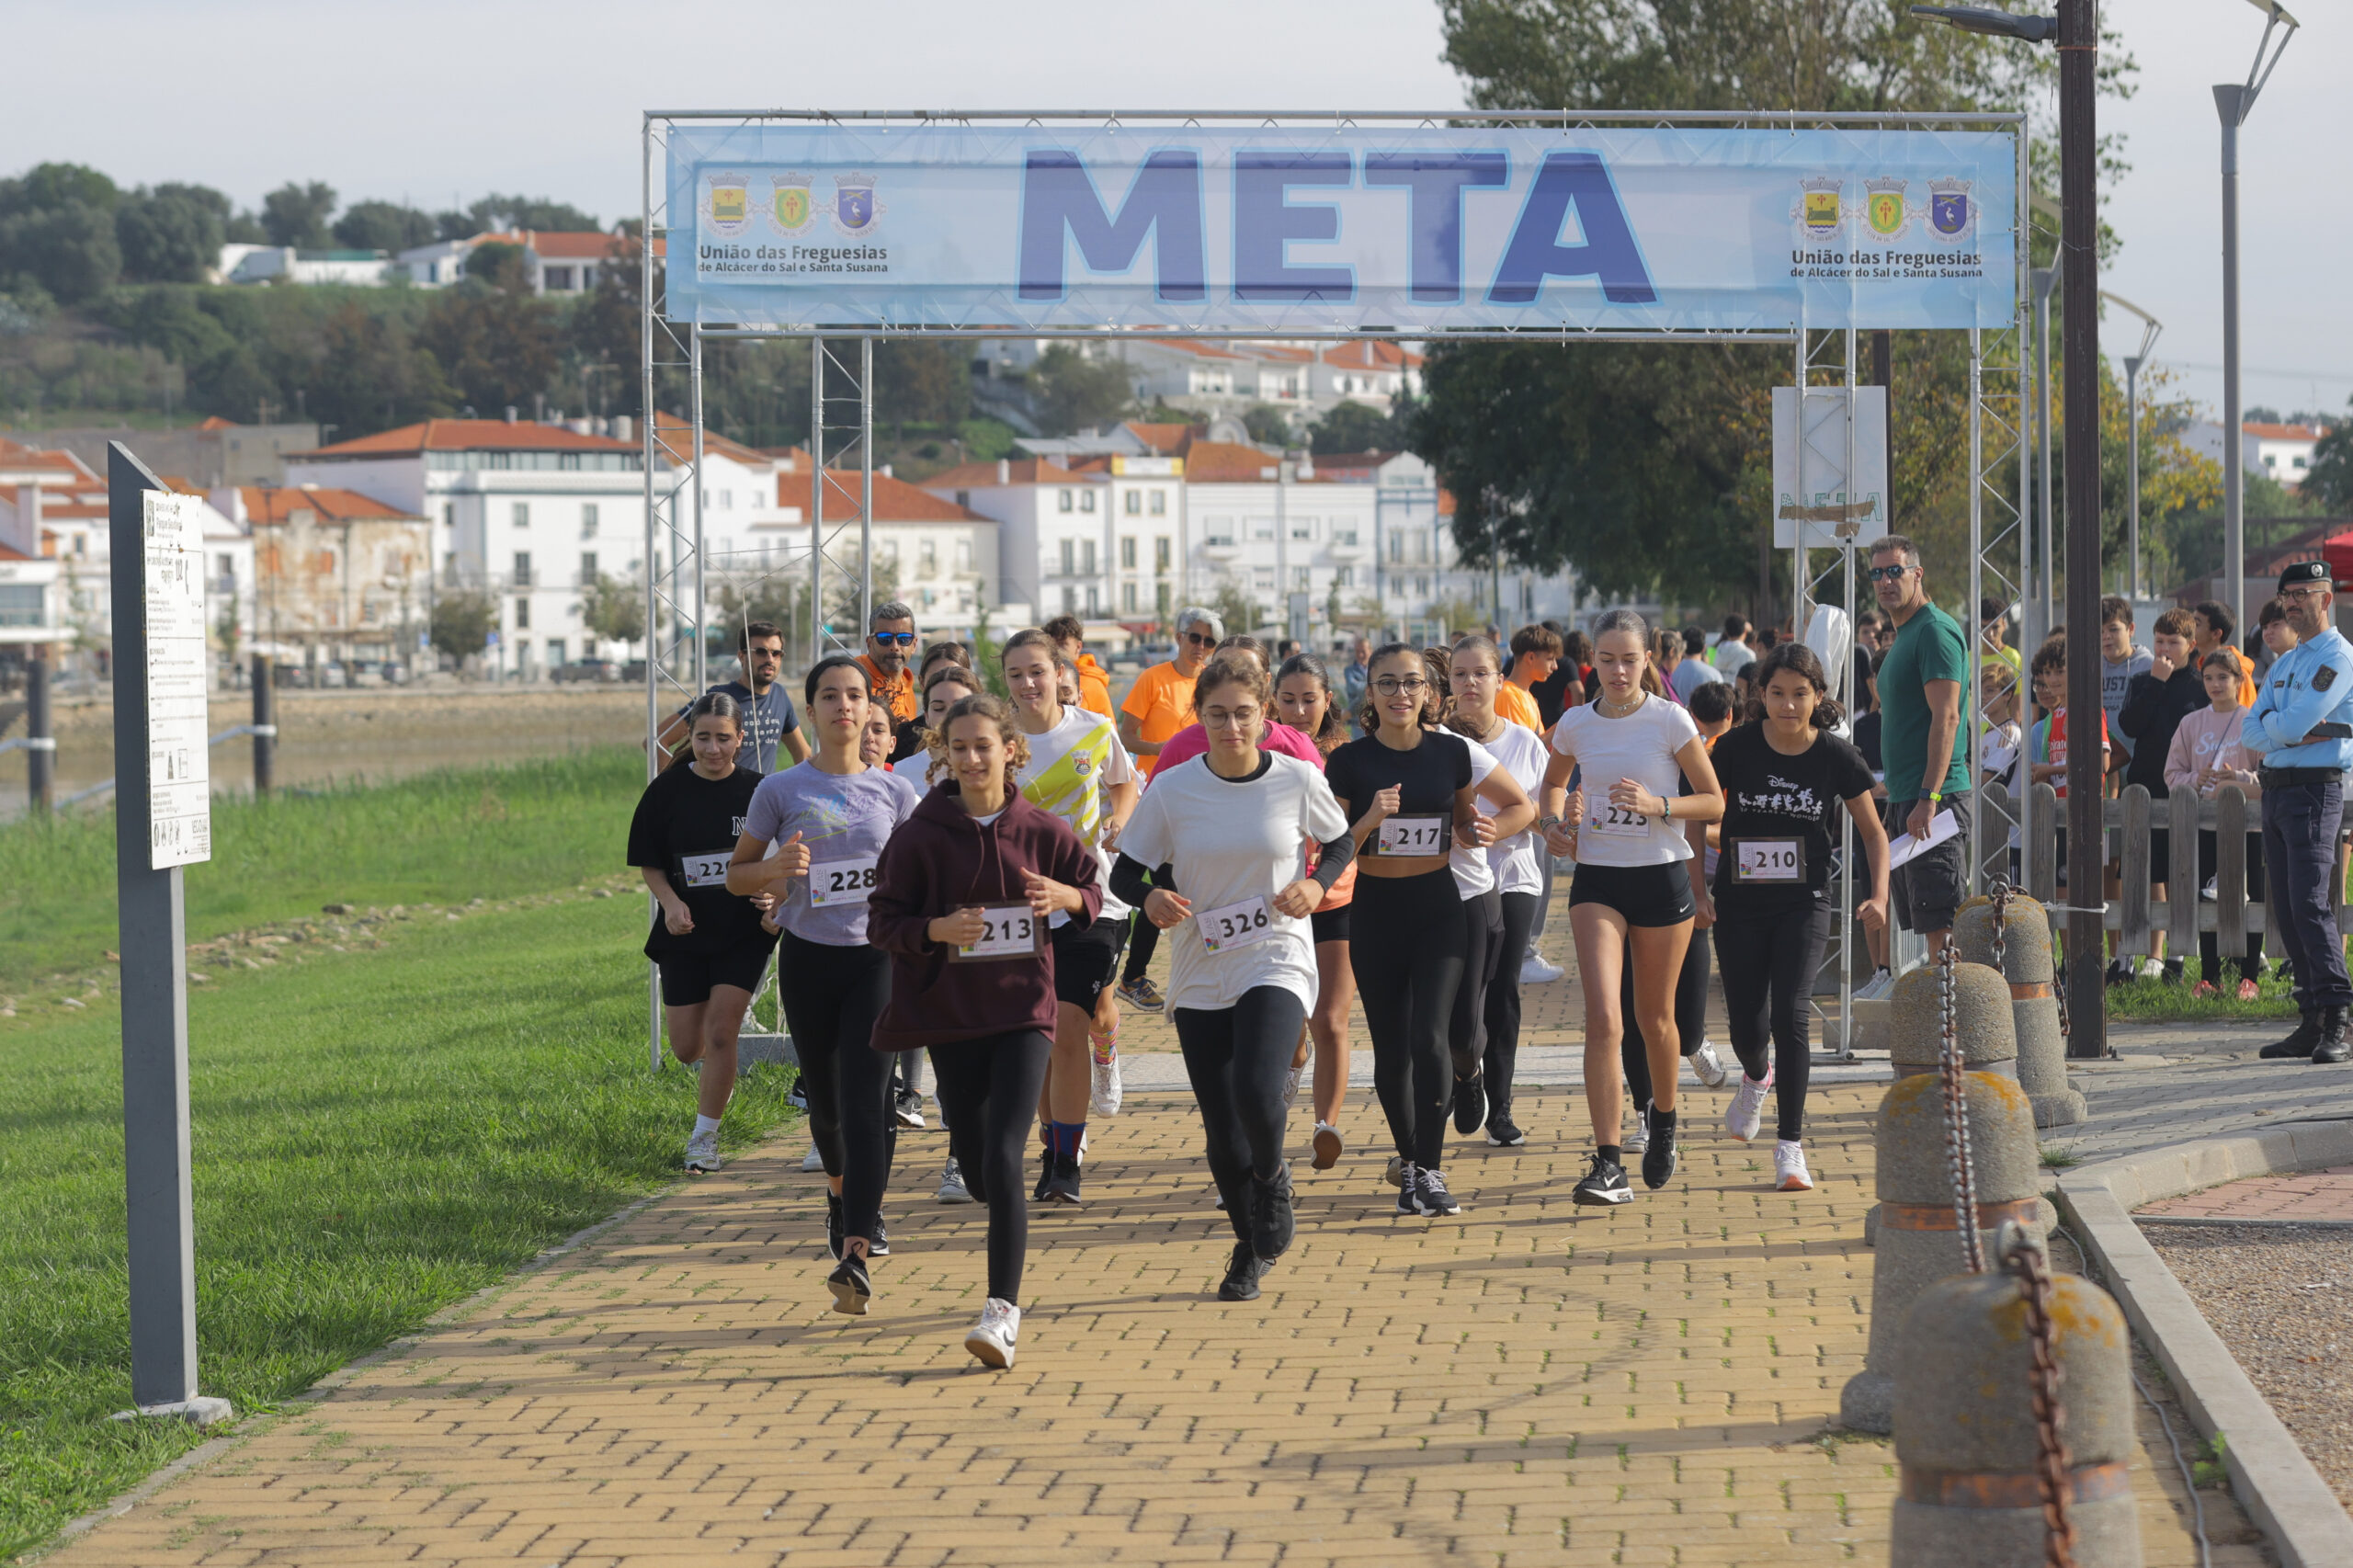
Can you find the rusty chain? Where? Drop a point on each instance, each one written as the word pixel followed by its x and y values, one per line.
pixel 1956 1096
pixel 2000 894
pixel 2023 1260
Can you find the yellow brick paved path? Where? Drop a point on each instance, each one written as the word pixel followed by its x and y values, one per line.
pixel 1528 1384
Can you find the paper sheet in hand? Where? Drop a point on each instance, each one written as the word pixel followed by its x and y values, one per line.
pixel 1903 847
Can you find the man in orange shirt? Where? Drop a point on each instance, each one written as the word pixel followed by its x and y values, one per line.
pixel 1535 653
pixel 1158 705
pixel 890 638
pixel 1093 680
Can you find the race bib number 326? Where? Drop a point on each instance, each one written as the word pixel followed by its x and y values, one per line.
pixel 1010 931
pixel 836 883
pixel 1236 924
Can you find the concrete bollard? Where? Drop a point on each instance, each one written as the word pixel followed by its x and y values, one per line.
pixel 1915 1040
pixel 2027 966
pixel 1917 1244
pixel 1965 1434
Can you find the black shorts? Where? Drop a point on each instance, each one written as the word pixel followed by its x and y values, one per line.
pixel 689 979
pixel 1084 957
pixel 1645 895
pixel 1926 890
pixel 1331 924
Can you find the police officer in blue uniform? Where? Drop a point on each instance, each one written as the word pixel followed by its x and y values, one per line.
pixel 2301 728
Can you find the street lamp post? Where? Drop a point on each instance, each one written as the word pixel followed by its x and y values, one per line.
pixel 2150 328
pixel 2232 102
pixel 2075 29
pixel 2042 279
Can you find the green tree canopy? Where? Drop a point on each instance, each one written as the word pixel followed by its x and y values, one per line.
pixel 1072 391
pixel 297 214
pixel 461 622
pixel 172 234
pixel 383 226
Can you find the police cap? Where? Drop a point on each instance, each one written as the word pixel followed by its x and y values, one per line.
pixel 2303 572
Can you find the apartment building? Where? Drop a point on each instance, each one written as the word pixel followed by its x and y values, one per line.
pixel 1103 540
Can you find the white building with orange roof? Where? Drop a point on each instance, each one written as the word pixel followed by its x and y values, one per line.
pixel 1306 377
pixel 1103 538
pixel 2281 452
pixel 332 574
pixel 556 261
pixel 32 609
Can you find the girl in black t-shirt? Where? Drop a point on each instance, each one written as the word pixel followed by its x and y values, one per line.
pixel 707 942
pixel 1784 779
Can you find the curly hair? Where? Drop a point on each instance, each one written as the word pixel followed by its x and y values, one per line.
pixel 980 705
pixel 1801 661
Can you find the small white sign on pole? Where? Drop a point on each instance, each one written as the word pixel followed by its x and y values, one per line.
pixel 1829 472
pixel 178 767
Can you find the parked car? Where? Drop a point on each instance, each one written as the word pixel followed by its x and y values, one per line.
pixel 595 672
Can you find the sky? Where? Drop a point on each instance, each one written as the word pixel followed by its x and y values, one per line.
pixel 437 103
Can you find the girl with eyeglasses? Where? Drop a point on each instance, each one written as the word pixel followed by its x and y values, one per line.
pixel 1484 1034
pixel 1410 791
pixel 1632 889
pixel 1222 840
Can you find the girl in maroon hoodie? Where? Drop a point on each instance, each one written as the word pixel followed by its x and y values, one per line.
pixel 960 902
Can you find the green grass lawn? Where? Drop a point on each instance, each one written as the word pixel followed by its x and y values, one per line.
pixel 2157 1001
pixel 377 1134
pixel 438 838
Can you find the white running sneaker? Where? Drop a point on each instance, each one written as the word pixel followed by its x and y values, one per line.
pixel 1707 1066
pixel 1747 1112
pixel 991 1339
pixel 1534 971
pixel 1639 1138
pixel 1878 985
pixel 1291 1086
pixel 702 1152
pixel 812 1161
pixel 1103 1095
pixel 1790 1174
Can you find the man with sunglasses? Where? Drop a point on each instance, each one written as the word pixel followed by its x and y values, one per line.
pixel 890 638
pixel 1923 692
pixel 2300 731
pixel 772 737
pixel 1158 706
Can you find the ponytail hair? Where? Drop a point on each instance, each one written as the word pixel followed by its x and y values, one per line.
pixel 710 705
pixel 1802 661
pixel 1334 730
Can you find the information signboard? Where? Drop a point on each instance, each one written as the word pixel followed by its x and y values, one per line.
pixel 179 777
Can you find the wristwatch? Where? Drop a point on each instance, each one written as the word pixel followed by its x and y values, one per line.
pixel 1547 823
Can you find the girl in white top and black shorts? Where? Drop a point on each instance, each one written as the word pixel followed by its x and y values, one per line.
pixel 1222 839
pixel 1633 884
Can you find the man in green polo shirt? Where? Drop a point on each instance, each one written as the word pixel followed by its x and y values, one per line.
pixel 1923 692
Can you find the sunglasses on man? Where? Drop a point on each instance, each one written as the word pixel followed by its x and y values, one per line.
pixel 904 639
pixel 1888 573
pixel 1201 640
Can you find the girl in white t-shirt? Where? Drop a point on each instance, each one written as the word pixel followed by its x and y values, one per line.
pixel 1633 887
pixel 1485 1035
pixel 1222 839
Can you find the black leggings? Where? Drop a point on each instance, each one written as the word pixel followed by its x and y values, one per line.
pixel 1503 999
pixel 1483 934
pixel 988 1096
pixel 2210 952
pixel 1142 944
pixel 1691 1014
pixel 1236 1058
pixel 1769 961
pixel 832 996
pixel 1407 943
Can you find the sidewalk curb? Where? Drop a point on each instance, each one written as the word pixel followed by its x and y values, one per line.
pixel 2282 1492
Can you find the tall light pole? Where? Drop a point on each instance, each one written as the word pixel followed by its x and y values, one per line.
pixel 2042 279
pixel 2232 101
pixel 2150 327
pixel 2075 29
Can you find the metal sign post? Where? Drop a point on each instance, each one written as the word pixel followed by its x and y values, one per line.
pixel 163 821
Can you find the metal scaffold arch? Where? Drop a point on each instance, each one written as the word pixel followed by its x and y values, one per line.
pixel 845 227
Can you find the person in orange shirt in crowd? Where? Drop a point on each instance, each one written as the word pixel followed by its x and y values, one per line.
pixel 1159 705
pixel 1535 654
pixel 890 638
pixel 1093 680
pixel 2215 625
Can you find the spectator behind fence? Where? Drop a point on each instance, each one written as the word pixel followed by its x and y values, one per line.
pixel 1923 692
pixel 1693 671
pixel 2159 699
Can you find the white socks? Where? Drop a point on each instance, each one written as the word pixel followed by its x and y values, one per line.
pixel 705 1125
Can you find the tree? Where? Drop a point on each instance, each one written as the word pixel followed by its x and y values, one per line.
pixel 371 374
pixel 500 264
pixel 57 184
pixel 497 348
pixel 69 249
pixel 510 213
pixel 297 214
pixel 614 610
pixel 172 234
pixel 383 226
pixel 922 383
pixel 2330 479
pixel 1355 427
pixel 1072 391
pixel 462 624
pixel 1236 609
pixel 1268 425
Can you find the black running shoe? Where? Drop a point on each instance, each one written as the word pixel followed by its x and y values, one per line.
pixel 1469 1103
pixel 1062 1185
pixel 834 1224
pixel 1241 1282
pixel 877 1243
pixel 1430 1195
pixel 851 1288
pixel 1503 1131
pixel 1603 1184
pixel 1658 1160
pixel 1406 1187
pixel 1271 1221
pixel 1045 1177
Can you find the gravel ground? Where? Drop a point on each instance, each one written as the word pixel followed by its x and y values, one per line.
pixel 2279 1298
